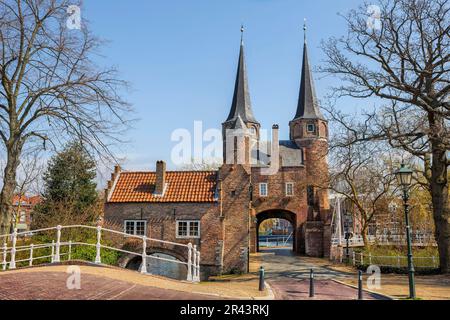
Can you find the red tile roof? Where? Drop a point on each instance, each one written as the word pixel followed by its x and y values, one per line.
pixel 192 186
pixel 26 201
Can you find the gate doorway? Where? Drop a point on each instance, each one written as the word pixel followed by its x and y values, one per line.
pixel 276 229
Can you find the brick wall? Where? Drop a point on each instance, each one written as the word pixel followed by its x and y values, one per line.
pixel 161 224
pixel 235 184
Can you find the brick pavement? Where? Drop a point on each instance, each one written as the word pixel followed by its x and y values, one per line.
pixel 52 285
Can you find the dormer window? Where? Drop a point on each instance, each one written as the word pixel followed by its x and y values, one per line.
pixel 311 128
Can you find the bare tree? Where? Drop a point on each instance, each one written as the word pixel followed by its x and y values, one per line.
pixel 362 173
pixel 50 89
pixel 404 59
pixel 204 166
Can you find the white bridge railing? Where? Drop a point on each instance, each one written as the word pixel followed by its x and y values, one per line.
pixel 357 240
pixel 192 263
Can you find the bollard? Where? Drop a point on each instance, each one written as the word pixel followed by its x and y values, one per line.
pixel 360 285
pixel 262 284
pixel 311 284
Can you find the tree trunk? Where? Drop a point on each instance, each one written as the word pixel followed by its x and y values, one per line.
pixel 439 192
pixel 441 210
pixel 9 186
pixel 364 236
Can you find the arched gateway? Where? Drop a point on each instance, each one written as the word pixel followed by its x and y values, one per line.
pixel 277 214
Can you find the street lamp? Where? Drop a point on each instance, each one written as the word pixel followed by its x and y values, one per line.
pixel 348 236
pixel 404 178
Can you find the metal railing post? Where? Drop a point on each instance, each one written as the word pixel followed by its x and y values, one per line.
pixel 370 258
pixel 362 259
pixel 57 257
pixel 31 255
pixel 198 266
pixel 189 272
pixel 53 251
pixel 144 255
pixel 195 256
pixel 354 258
pixel 98 246
pixel 5 253
pixel 70 251
pixel 12 263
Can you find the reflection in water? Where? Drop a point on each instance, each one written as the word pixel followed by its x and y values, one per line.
pixel 168 269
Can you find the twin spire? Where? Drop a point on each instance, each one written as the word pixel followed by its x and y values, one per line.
pixel 241 108
pixel 242 105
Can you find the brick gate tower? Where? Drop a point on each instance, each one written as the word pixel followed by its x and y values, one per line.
pixel 295 191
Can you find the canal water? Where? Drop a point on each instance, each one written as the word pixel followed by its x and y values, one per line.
pixel 167 269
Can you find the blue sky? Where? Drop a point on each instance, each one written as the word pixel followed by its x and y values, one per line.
pixel 180 57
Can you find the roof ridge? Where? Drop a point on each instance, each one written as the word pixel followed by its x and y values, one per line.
pixel 174 171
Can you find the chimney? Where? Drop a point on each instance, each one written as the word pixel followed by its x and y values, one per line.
pixel 160 178
pixel 110 183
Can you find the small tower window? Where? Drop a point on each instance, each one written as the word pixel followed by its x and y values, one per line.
pixel 263 190
pixel 289 189
pixel 311 128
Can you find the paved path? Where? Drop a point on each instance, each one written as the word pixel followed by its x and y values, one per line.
pixel 288 275
pixel 52 285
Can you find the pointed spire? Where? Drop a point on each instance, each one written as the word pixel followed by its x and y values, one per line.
pixel 241 105
pixel 308 105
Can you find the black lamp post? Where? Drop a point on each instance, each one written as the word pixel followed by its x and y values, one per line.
pixel 404 178
pixel 348 236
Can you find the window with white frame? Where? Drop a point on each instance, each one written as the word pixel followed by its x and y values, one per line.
pixel 23 217
pixel 289 189
pixel 136 227
pixel 188 229
pixel 263 190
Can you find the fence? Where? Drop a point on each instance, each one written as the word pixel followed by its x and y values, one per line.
pixel 357 240
pixel 275 241
pixel 57 249
pixel 359 258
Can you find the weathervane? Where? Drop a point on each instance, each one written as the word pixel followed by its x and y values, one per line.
pixel 304 29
